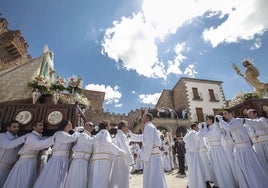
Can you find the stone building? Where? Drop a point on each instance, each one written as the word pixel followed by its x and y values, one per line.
pixel 189 101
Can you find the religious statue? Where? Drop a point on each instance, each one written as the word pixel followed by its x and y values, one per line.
pixel 47 67
pixel 251 76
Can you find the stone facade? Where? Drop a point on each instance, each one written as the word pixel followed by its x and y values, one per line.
pixel 14 49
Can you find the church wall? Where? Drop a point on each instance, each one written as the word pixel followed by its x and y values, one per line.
pixel 13 82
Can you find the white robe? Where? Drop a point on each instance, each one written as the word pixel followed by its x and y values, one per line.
pixel 24 172
pixel 203 151
pixel 78 174
pixel 218 157
pixel 166 163
pixel 153 171
pixel 121 168
pixel 55 171
pixel 196 177
pixel 250 171
pixel 9 147
pixel 101 162
pixel 258 131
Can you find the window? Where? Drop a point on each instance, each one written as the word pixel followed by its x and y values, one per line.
pixel 212 96
pixel 196 94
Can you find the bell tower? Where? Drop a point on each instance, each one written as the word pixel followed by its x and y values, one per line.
pixel 13 47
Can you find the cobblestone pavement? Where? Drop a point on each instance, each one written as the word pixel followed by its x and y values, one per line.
pixel 173 180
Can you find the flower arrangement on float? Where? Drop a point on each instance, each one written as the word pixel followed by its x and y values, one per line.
pixel 59 84
pixel 40 84
pixel 242 97
pixel 82 101
pixel 74 85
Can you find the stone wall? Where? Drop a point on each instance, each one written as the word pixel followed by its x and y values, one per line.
pixel 13 82
pixel 180 95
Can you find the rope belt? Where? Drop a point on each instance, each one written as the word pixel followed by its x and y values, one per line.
pixel 118 156
pixel 203 150
pixel 5 166
pixel 155 149
pixel 155 153
pixel 254 139
pixel 60 153
pixel 263 138
pixel 101 156
pixel 82 155
pixel 243 145
pixel 214 143
pixel 29 156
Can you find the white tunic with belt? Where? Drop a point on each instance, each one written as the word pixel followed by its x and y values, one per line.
pixel 9 147
pixel 101 162
pixel 153 171
pixel 24 172
pixel 225 177
pixel 258 132
pixel 78 174
pixel 55 171
pixel 250 172
pixel 121 167
pixel 196 177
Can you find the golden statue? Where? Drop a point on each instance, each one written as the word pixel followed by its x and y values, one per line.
pixel 251 76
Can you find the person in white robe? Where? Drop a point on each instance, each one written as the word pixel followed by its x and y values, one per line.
pixel 24 172
pixel 78 174
pixel 228 146
pixel 103 155
pixel 249 169
pixel 258 131
pixel 153 171
pixel 217 155
pixel 196 177
pixel 121 167
pixel 203 151
pixel 166 162
pixel 10 144
pixel 55 171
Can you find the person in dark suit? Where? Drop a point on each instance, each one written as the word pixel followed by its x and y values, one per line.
pixel 179 147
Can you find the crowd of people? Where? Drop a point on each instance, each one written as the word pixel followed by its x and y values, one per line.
pixel 79 159
pixel 228 151
pixel 223 151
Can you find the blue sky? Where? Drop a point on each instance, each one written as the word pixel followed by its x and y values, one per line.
pixel 134 49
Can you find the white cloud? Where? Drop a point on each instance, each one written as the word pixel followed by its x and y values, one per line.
pixel 190 71
pixel 112 94
pixel 174 66
pixel 131 41
pixel 257 44
pixel 248 19
pixel 149 98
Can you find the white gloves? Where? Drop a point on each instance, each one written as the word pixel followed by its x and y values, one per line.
pixel 79 129
pixel 219 117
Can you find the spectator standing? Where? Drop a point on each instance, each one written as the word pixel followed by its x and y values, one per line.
pixel 179 147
